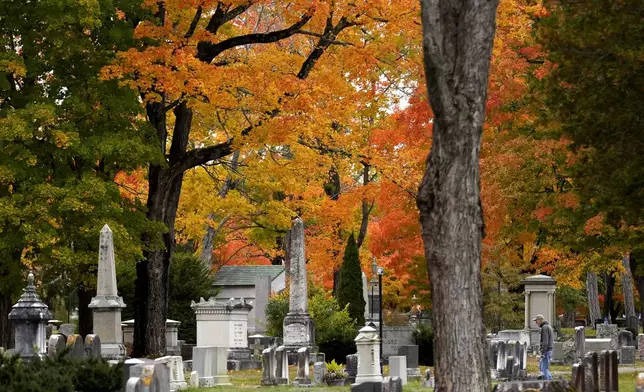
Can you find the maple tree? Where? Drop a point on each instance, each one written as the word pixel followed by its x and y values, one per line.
pixel 198 70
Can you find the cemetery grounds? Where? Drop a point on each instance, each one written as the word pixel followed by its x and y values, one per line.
pixel 247 380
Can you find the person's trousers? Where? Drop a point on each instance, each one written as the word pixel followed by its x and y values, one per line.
pixel 544 365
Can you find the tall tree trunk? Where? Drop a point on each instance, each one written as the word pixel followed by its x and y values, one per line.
pixel 365 207
pixel 609 281
pixel 569 318
pixel 85 318
pixel 152 283
pixel 638 277
pixel 6 329
pixel 457 43
pixel 627 287
pixel 593 297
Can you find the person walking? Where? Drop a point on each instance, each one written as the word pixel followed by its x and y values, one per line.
pixel 546 346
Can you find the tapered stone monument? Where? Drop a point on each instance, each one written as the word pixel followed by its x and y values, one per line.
pixel 299 329
pixel 107 304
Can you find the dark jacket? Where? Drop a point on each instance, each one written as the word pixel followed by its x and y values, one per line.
pixel 547 337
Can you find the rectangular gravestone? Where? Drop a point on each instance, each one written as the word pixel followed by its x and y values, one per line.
pixel 303 377
pixel 319 371
pixel 580 343
pixel 211 364
pixel 281 366
pixel 398 368
pixel 627 355
pixel 268 358
pixel 351 367
pixel 411 353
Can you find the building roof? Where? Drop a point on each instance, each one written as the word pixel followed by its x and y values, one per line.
pixel 244 275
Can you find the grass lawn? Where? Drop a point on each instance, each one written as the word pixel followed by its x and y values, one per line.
pixel 245 381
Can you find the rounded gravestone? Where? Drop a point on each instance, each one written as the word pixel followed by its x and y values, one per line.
pixel 75 345
pixel 92 346
pixel 56 345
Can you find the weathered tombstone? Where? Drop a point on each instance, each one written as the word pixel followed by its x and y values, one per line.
pixel 127 366
pixel 368 345
pixel 398 368
pixel 92 346
pixel 604 371
pixel 640 346
pixel 160 378
pixel 29 317
pixel 614 372
pixel 591 376
pixel 608 331
pixel 303 366
pixel 56 345
pixel 500 359
pixel 75 345
pixel 625 338
pixel 580 342
pixel 411 353
pixel 392 384
pixel 579 376
pixel 175 366
pixel 210 363
pixel 627 355
pixel 319 371
pixel 299 328
pixel 268 357
pixel 107 304
pixel 194 379
pixel 492 352
pixel 351 366
pixel 429 379
pixel 134 384
pixel 281 368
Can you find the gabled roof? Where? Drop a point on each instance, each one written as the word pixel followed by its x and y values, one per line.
pixel 244 275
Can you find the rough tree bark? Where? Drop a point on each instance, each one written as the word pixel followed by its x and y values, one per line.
pixel 638 277
pixel 627 287
pixel 593 297
pixel 457 43
pixel 609 281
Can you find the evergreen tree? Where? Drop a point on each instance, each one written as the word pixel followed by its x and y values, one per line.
pixel 350 287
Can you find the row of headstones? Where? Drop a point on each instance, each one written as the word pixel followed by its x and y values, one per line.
pixel 90 348
pixel 623 342
pixel 508 359
pixel 209 369
pixel 275 366
pixel 597 372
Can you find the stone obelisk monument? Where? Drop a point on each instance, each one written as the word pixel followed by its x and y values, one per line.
pixel 299 329
pixel 107 304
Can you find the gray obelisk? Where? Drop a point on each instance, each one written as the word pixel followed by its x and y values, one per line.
pixel 107 304
pixel 299 329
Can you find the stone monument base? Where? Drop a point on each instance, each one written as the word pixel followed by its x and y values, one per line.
pixel 112 351
pixel 214 381
pixel 370 386
pixel 281 381
pixel 299 331
pixel 291 354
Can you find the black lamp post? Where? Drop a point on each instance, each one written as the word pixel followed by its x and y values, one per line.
pixel 380 272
